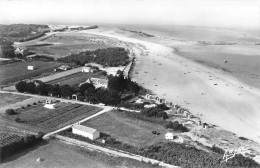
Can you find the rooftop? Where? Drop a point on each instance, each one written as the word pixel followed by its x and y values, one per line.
pixel 84 128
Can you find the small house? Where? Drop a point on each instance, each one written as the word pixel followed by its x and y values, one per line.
pixel 169 135
pixel 49 104
pixel 88 132
pixel 64 67
pixel 85 69
pixel 30 68
pixel 76 95
pixel 89 69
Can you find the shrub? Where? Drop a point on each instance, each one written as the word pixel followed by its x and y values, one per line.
pixel 22 107
pixel 10 112
pixel 176 126
pixel 39 135
pixel 17 119
pixel 34 103
pixel 28 105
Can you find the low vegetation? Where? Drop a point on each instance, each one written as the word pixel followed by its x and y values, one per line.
pixel 157 111
pixel 108 57
pixel 12 143
pixel 18 32
pixel 174 153
pixel 175 126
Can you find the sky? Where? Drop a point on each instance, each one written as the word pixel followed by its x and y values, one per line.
pixel 209 13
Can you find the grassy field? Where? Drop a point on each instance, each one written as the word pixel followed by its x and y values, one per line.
pixel 60 155
pixel 62 44
pixel 17 71
pixel 7 99
pixel 128 130
pixel 74 79
pixel 51 119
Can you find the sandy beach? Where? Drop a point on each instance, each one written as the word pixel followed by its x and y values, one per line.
pixel 215 96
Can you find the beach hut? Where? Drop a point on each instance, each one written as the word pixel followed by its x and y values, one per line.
pixel 30 68
pixel 205 126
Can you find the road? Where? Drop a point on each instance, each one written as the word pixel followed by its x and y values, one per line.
pixel 113 152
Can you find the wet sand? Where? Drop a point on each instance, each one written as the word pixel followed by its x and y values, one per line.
pixel 218 97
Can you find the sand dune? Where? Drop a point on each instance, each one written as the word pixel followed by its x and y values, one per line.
pixel 218 97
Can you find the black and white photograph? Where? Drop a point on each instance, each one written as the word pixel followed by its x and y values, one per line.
pixel 129 83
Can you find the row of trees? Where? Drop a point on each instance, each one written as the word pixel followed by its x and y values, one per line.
pixel 7 48
pixel 86 92
pixel 108 57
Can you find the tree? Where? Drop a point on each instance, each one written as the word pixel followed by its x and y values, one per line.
pixel 66 91
pixel 42 89
pixel 87 88
pixel 21 86
pixel 10 112
pixel 31 88
pixel 54 90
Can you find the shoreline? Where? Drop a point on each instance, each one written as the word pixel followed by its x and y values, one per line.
pixel 221 100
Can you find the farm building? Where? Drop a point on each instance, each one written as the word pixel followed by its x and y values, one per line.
pixel 85 131
pixel 169 135
pixel 30 67
pixel 98 82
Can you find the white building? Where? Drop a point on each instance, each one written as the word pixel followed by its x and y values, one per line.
pixel 49 104
pixel 149 105
pixel 85 131
pixel 30 67
pixel 98 82
pixel 85 69
pixel 169 135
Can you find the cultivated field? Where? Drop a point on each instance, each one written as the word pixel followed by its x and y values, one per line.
pixel 51 119
pixel 6 139
pixel 17 71
pixel 74 79
pixel 126 129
